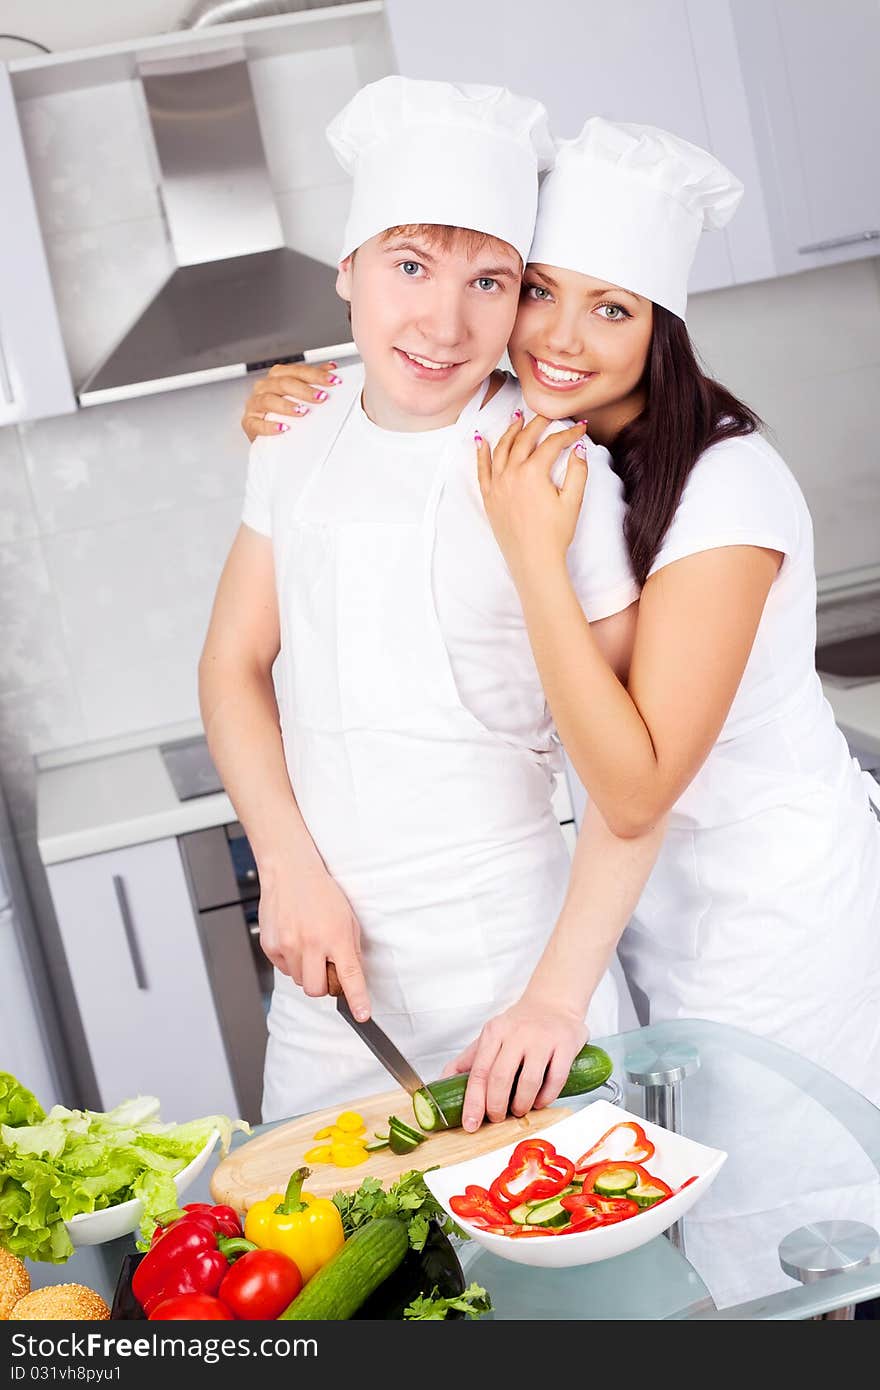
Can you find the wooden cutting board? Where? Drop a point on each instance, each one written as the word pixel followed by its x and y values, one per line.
pixel 263 1165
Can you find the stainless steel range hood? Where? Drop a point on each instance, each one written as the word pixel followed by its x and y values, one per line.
pixel 239 298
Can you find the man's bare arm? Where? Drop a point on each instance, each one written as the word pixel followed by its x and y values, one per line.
pixel 305 919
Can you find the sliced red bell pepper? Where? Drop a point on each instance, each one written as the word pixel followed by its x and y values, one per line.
pixel 476 1205
pixel 591 1209
pixel 535 1171
pixel 625 1142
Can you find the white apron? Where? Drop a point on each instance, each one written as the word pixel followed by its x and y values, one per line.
pixel 440 831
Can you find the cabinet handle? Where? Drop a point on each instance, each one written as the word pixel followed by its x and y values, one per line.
pixel 5 379
pixel 128 927
pixel 838 241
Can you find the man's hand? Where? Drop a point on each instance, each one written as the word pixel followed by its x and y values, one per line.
pixel 306 921
pixel 520 1061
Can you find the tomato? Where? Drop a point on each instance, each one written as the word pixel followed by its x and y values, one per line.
pixel 260 1285
pixel 191 1307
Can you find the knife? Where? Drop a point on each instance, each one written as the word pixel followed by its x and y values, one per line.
pixel 380 1045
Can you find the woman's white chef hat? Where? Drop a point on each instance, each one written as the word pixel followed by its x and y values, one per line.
pixel 444 153
pixel 627 204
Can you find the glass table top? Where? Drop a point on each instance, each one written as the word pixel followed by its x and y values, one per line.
pixel 802 1148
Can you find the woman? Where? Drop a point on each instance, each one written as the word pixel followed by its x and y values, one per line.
pixel 764 906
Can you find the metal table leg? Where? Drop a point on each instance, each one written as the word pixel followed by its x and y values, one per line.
pixel 660 1072
pixel 829 1247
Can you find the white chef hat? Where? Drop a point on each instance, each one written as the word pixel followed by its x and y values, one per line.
pixel 627 204
pixel 441 153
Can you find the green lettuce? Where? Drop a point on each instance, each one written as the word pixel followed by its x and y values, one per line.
pixel 54 1166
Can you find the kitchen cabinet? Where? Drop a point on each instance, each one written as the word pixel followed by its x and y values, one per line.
pixel 810 72
pixel 34 376
pixel 782 91
pixel 130 937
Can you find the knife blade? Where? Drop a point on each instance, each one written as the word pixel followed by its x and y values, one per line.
pixel 381 1046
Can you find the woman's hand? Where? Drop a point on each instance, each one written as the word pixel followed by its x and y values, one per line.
pixel 285 395
pixel 520 1061
pixel 306 921
pixel 533 520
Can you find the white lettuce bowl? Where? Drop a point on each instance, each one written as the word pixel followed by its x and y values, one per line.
pixel 95 1227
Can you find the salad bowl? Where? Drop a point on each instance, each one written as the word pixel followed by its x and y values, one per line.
pixel 685 1166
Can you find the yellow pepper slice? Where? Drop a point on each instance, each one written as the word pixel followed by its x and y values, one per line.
pixel 306 1228
pixel 348 1153
pixel 319 1154
pixel 350 1122
pixel 324 1133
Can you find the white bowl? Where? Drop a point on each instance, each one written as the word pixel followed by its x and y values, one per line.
pixel 94 1227
pixel 675 1159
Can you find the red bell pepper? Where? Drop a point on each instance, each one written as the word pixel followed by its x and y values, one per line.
pixel 589 1209
pixel 629 1144
pixel 188 1258
pixel 476 1205
pixel 191 1307
pixel 535 1171
pixel 221 1219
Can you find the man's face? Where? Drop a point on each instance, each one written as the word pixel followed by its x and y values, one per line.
pixel 431 316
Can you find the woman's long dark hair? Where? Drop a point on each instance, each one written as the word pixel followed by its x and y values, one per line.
pixel 653 455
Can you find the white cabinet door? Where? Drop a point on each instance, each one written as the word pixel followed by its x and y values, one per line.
pixel 811 71
pixel 628 61
pixel 130 937
pixel 34 378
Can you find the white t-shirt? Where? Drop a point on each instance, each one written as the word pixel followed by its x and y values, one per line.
pixel 779 740
pixel 376 474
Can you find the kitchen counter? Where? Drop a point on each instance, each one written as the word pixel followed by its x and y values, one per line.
pixel 109 795
pixel 105 796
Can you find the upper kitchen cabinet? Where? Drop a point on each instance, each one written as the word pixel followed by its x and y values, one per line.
pixel 782 91
pixel 34 376
pixel 189 206
pixel 811 72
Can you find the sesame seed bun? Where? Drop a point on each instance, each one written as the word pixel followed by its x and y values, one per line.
pixel 61 1301
pixel 15 1282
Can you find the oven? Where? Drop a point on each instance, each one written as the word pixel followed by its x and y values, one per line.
pixel 225 888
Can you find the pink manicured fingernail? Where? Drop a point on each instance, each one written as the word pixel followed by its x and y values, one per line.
pixel 581 449
pixel 335 380
pixel 332 364
pixel 478 438
pixel 517 415
pixel 282 428
pixel 321 395
pixel 584 423
pixel 301 409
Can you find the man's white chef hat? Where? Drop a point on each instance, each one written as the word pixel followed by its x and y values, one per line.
pixel 627 204
pixel 444 153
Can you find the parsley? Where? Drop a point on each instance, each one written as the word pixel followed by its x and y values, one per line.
pixel 474 1302
pixel 407 1198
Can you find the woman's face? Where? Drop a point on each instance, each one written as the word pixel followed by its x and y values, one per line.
pixel 579 347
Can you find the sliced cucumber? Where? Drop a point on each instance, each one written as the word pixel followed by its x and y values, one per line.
pixel 548 1213
pixel 616 1182
pixel 520 1215
pixel 645 1195
pixel 402 1138
pixel 377 1145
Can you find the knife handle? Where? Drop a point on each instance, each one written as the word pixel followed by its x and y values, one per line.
pixel 333 985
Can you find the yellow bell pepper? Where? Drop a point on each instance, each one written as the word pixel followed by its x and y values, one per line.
pixel 306 1228
pixel 350 1122
pixel 319 1153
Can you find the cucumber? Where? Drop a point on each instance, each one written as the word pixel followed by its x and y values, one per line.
pixel 402 1139
pixel 646 1195
pixel 520 1215
pixel 616 1182
pixel 590 1068
pixel 549 1213
pixel 368 1257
